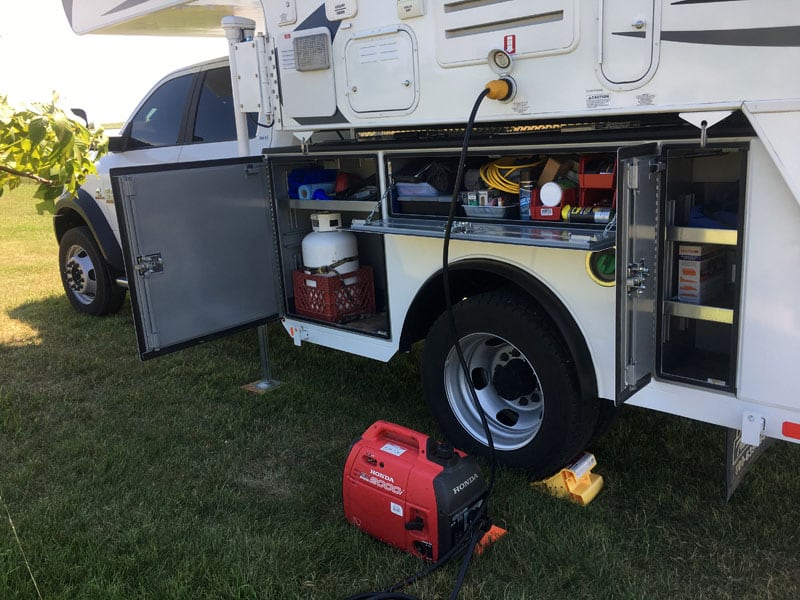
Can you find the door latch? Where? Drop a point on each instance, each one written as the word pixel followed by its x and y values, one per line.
pixel 636 276
pixel 151 263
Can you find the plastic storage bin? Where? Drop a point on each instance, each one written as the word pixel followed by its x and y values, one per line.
pixel 597 171
pixel 540 212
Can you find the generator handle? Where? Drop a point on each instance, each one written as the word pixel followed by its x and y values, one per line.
pixel 397 433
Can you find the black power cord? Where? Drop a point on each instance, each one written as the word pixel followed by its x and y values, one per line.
pixel 480 522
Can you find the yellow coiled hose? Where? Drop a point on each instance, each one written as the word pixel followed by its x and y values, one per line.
pixel 496 174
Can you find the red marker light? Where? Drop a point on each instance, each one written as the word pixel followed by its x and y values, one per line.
pixel 791 430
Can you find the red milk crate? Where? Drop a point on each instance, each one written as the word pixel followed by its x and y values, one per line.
pixel 335 299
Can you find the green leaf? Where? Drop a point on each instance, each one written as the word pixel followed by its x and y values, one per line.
pixel 41 140
pixel 37 131
pixel 41 191
pixel 52 192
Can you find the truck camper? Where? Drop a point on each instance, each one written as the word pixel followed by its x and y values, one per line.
pixel 625 214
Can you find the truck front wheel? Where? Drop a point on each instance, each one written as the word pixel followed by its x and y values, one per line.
pixel 524 378
pixel 88 280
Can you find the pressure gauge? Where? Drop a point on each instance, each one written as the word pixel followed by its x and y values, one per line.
pixel 499 61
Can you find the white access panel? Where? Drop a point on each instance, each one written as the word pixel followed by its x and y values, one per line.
pixel 287 14
pixel 467 31
pixel 336 10
pixel 308 90
pixel 629 32
pixel 254 95
pixel 381 69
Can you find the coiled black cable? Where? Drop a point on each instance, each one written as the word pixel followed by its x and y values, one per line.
pixel 480 522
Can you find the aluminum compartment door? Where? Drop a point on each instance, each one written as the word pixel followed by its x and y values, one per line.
pixel 200 252
pixel 637 260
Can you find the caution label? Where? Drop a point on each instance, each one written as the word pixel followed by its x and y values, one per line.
pixel 597 99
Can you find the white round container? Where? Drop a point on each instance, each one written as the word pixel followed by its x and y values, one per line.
pixel 550 194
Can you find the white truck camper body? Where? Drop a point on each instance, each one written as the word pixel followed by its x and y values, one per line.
pixel 691 101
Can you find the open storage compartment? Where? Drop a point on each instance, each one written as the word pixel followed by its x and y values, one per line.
pixel 338 292
pixel 497 200
pixel 701 265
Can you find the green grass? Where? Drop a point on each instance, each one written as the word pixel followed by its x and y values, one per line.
pixel 166 480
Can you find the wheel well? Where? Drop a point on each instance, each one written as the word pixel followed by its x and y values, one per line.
pixel 82 210
pixel 65 220
pixel 473 277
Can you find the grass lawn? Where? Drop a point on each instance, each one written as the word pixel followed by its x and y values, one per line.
pixel 166 480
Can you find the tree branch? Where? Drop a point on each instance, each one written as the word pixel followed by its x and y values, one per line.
pixel 36 178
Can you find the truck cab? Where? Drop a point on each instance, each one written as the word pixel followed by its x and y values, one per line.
pixel 187 116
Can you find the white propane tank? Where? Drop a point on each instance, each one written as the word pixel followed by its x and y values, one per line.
pixel 328 247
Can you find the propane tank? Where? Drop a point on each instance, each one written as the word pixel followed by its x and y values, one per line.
pixel 328 250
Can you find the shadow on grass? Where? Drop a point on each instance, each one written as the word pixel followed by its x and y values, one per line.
pixel 167 479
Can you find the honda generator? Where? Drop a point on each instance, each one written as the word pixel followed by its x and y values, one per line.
pixel 410 491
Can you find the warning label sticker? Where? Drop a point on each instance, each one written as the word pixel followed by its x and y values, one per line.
pixel 646 99
pixel 393 449
pixel 597 99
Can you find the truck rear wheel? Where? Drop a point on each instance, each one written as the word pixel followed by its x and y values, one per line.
pixel 525 380
pixel 88 280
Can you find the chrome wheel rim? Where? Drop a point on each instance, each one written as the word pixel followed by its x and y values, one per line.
pixel 80 274
pixel 508 389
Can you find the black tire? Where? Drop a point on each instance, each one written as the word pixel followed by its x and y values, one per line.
pixel 88 280
pixel 607 417
pixel 525 379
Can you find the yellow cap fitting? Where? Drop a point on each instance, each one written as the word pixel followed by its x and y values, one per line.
pixel 499 89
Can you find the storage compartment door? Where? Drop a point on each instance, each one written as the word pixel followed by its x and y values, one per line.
pixel 629 31
pixel 199 249
pixel 637 260
pixel 382 71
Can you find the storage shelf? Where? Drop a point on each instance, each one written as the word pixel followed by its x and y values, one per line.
pixel 698 311
pixel 703 235
pixel 338 205
pixel 563 236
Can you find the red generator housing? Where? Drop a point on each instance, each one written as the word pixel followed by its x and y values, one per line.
pixel 410 491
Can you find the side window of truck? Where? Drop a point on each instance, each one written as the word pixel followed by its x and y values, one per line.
pixel 214 121
pixel 158 121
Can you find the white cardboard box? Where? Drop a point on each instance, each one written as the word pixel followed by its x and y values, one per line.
pixel 700 272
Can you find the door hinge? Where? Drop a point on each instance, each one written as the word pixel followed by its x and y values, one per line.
pixel 151 263
pixel 753 425
pixel 126 187
pixel 632 178
pixel 299 335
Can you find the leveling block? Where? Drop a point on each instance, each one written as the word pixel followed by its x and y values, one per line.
pixel 575 481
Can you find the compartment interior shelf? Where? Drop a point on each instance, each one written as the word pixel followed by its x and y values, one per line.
pixel 703 235
pixel 698 311
pixel 502 233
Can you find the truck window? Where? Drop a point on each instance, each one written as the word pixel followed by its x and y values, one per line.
pixel 214 121
pixel 158 121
